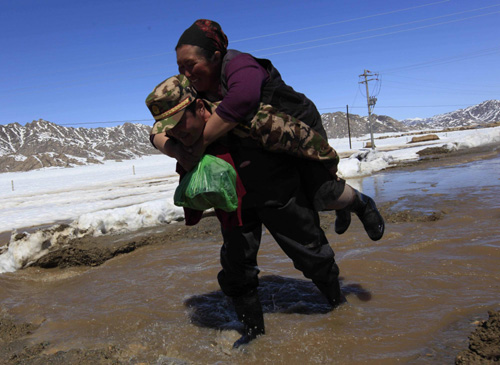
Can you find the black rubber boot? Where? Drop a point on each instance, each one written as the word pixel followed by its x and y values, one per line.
pixel 368 214
pixel 332 292
pixel 342 221
pixel 249 311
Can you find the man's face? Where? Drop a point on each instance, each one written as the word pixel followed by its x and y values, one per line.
pixel 189 129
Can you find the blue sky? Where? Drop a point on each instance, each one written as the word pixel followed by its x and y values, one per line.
pixel 92 63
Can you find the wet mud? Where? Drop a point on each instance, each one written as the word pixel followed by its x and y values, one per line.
pixel 94 251
pixel 17 347
pixel 484 343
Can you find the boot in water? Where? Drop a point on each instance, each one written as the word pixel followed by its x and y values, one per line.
pixel 249 311
pixel 332 292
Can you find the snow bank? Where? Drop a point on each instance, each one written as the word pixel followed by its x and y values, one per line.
pixel 125 196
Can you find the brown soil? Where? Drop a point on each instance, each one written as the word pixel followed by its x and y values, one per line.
pixel 484 343
pixel 93 251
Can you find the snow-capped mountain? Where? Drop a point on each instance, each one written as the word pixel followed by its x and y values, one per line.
pixel 42 144
pixel 336 124
pixel 486 112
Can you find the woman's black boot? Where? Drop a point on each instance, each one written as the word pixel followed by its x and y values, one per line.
pixel 249 311
pixel 342 221
pixel 367 212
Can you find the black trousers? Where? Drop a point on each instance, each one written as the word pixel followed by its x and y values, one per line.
pixel 295 227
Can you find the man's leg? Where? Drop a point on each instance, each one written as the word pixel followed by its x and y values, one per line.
pixel 249 312
pixel 239 275
pixel 295 226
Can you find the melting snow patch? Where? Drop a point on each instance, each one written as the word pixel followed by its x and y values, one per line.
pixel 364 163
pixel 25 248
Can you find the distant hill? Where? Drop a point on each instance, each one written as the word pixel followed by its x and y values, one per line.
pixel 336 125
pixel 43 144
pixel 486 112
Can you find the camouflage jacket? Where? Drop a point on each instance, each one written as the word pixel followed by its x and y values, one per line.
pixel 279 132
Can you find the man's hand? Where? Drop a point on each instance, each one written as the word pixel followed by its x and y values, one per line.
pixel 175 149
pixel 192 154
pixel 183 157
pixel 186 158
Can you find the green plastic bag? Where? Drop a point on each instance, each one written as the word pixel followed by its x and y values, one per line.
pixel 211 184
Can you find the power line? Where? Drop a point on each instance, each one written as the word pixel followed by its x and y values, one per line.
pixel 150 120
pixel 440 61
pixel 326 108
pixel 423 64
pixel 381 35
pixel 374 29
pixel 427 81
pixel 161 54
pixel 109 122
pixel 428 88
pixel 64 84
pixel 419 65
pixel 337 22
pixel 262 36
pixel 398 106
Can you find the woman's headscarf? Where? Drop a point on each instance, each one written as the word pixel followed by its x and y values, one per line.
pixel 206 34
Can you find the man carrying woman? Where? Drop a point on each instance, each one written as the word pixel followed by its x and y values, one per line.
pixel 283 192
pixel 242 82
pixel 273 196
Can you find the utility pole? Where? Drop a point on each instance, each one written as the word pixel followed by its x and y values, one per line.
pixel 370 102
pixel 348 127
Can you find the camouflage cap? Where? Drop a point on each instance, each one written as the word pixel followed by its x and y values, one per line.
pixel 168 101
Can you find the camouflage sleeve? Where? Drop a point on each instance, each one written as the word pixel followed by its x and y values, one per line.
pixel 279 132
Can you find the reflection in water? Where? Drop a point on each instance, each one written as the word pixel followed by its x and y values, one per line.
pixel 411 296
pixel 277 294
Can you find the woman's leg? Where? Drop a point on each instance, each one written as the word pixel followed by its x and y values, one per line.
pixel 328 192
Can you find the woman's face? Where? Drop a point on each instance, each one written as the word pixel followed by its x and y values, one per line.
pixel 203 74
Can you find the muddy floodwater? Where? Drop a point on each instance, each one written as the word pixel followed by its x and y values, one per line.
pixel 413 297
